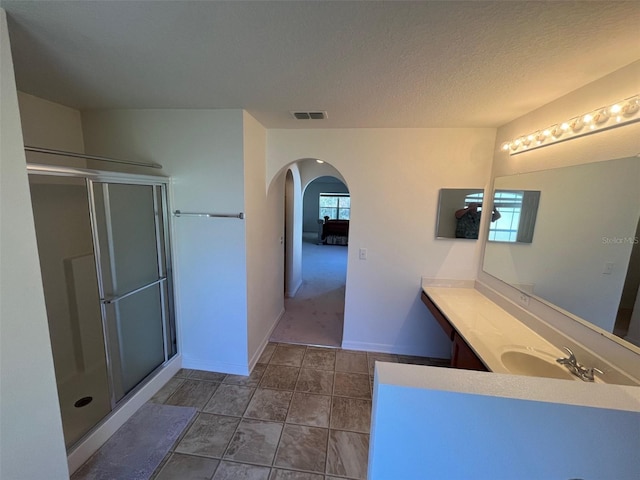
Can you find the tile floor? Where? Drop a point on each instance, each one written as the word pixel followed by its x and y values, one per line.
pixel 303 414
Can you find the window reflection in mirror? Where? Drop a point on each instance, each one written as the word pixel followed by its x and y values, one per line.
pixel 459 211
pixel 514 216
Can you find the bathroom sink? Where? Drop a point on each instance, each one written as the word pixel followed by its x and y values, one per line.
pixel 534 363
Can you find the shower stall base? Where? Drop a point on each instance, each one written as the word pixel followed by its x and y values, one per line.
pixel 79 419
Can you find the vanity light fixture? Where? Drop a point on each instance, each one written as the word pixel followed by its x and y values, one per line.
pixel 603 118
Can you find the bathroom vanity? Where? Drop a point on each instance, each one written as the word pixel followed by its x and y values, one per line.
pixel 526 416
pixel 485 337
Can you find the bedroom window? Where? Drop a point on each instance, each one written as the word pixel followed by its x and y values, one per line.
pixel 336 206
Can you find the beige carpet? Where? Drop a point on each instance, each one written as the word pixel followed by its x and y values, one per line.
pixel 315 315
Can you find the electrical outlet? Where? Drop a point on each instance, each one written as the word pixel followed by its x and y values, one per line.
pixel 362 254
pixel 608 268
pixel 524 299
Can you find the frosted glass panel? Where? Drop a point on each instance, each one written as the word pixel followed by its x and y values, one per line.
pixel 140 339
pixel 131 232
pixel 133 260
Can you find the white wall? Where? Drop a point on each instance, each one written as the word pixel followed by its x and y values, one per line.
pixel 31 439
pixel 264 241
pixel 310 169
pixel 293 227
pixel 430 423
pixel 620 142
pixel 50 125
pixel 202 150
pixel 394 176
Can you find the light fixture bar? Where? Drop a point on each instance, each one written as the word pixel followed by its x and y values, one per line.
pixel 615 115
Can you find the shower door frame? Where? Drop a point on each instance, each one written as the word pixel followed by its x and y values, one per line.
pixel 169 328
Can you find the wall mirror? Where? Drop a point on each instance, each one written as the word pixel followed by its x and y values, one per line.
pixel 452 203
pixel 584 257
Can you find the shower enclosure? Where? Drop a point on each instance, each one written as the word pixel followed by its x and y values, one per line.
pixel 103 242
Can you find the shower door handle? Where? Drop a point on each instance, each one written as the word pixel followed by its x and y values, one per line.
pixel 117 298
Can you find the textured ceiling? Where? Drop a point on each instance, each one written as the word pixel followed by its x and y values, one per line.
pixel 368 64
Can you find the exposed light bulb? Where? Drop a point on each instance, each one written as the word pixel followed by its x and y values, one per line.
pixel 630 108
pixel 576 124
pixel 556 131
pixel 601 116
pixel 623 112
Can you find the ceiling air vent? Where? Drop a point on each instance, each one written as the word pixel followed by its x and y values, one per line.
pixel 315 115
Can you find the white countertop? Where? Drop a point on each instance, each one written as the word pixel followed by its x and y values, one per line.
pixel 537 389
pixel 487 329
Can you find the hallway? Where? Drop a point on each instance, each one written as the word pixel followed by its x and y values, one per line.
pixel 315 315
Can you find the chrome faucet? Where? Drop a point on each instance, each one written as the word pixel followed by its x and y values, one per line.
pixel 583 373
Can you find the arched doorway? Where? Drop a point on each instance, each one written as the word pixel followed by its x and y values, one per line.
pixel 315 267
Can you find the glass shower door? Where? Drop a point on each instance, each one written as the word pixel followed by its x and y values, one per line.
pixel 130 232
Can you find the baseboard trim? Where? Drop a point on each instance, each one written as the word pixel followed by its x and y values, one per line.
pixel 371 347
pixel 94 440
pixel 220 367
pixel 256 356
pixel 291 294
pixel 409 350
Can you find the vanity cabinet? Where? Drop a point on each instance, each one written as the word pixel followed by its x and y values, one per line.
pixel 462 355
pixel 440 318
